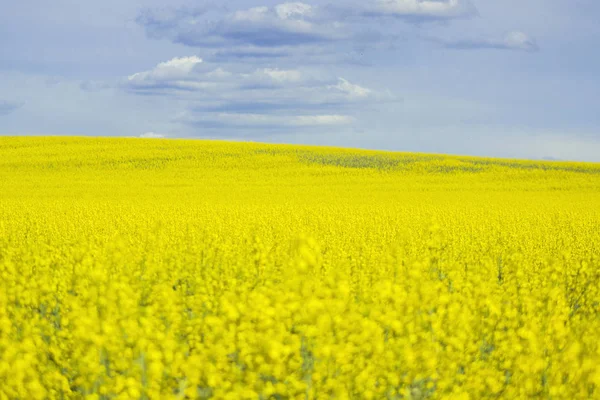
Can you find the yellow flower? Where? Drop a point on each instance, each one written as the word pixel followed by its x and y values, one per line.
pixel 206 269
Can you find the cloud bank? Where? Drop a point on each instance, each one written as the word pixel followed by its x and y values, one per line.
pixel 253 67
pixel 218 97
pixel 294 29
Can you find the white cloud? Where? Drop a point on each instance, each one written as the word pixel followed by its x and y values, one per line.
pixel 217 84
pixel 425 8
pixel 217 97
pixel 287 22
pixel 174 68
pixel 350 89
pixel 301 33
pixel 152 135
pixel 293 10
pixel 297 32
pixel 185 64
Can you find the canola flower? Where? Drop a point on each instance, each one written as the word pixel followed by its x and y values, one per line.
pixel 163 269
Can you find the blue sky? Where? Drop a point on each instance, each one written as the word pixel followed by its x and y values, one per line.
pixel 495 78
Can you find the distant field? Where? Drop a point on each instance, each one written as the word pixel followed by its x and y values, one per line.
pixel 151 269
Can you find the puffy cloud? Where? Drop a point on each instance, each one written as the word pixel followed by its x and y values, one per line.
pixel 169 70
pixel 217 97
pixel 514 40
pixel 173 75
pixel 7 107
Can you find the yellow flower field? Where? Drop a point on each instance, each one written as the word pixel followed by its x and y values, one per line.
pixel 174 269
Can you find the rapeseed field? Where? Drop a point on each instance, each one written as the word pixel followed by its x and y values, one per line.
pixel 174 269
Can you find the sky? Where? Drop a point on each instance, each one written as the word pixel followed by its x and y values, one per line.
pixel 510 78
